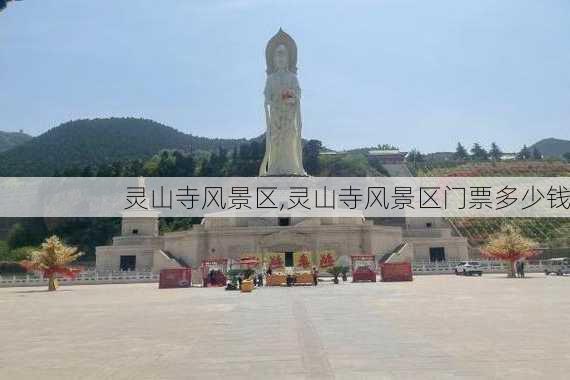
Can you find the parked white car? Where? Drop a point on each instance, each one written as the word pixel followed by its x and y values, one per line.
pixel 469 268
pixel 559 266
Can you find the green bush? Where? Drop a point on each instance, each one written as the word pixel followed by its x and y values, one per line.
pixel 22 253
pixel 17 254
pixel 4 250
pixel 10 268
pixel 28 232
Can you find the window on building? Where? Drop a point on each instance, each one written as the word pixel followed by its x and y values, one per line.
pixel 428 225
pixel 135 231
pixel 284 221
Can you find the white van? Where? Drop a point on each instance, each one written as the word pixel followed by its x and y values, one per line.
pixel 559 266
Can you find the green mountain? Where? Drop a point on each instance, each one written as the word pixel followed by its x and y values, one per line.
pixel 9 140
pixel 94 142
pixel 552 147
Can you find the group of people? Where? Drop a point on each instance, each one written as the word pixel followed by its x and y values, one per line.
pixel 258 279
pixel 214 277
pixel 520 268
pixel 314 272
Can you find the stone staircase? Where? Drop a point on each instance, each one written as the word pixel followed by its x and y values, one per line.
pixel 387 256
pixel 179 260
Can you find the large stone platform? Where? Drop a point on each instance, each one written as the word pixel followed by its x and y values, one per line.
pixel 413 239
pixel 432 328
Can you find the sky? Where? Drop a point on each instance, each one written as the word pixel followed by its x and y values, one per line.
pixel 415 74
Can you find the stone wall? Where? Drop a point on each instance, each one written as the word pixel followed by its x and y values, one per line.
pixel 108 258
pixel 232 238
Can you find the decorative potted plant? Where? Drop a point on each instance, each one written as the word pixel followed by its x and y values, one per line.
pixel 233 275
pixel 335 271
pixel 344 270
pixel 52 260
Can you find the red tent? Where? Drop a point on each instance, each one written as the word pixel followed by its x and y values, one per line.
pixel 214 271
pixel 248 262
pixel 363 268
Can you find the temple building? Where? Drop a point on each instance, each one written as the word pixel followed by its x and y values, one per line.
pixel 141 247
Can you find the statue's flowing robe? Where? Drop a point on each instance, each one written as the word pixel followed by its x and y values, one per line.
pixel 283 151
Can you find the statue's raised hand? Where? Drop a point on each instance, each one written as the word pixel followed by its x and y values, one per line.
pixel 289 96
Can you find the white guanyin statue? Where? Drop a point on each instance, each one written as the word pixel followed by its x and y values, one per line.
pixel 283 149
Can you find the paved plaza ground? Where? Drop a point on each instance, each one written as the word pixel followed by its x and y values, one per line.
pixel 434 327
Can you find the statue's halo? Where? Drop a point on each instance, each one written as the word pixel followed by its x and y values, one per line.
pixel 281 38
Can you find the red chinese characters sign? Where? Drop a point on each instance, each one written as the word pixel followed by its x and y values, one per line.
pixel 276 261
pixel 304 261
pixel 326 260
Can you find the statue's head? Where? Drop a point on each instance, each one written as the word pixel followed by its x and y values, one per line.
pixel 281 58
pixel 281 53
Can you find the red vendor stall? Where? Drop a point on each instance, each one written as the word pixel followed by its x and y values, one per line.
pixel 175 278
pixel 214 271
pixel 396 272
pixel 363 268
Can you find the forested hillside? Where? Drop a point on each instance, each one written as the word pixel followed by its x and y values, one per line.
pixel 9 140
pixel 552 147
pixel 100 141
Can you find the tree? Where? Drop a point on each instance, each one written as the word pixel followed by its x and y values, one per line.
pixel 86 233
pixel 536 155
pixel 135 168
pixel 350 165
pixel 509 245
pixel 166 164
pixel 178 224
pixel 184 165
pixel 461 153
pixel 86 171
pixel 52 260
pixel 566 156
pixel 387 147
pixel 311 160
pixel 415 156
pixel 216 165
pixel 4 251
pixel 495 152
pixel 3 4
pixel 28 232
pixel 478 153
pixel 524 154
pixel 14 255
